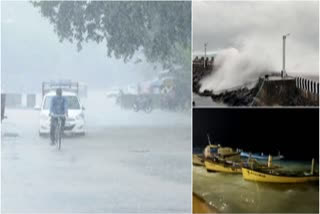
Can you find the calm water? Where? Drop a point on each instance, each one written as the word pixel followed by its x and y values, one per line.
pixel 230 193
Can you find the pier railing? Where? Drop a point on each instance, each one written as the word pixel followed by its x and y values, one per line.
pixel 308 85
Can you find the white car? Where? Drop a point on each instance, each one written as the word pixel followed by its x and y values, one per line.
pixel 75 123
pixel 115 92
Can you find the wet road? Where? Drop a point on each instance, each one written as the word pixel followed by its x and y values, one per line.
pixel 127 162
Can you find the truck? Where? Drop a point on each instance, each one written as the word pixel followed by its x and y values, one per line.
pixel 66 85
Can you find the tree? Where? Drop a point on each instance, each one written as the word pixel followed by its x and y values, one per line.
pixel 159 30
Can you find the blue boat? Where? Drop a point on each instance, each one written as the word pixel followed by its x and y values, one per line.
pixel 260 156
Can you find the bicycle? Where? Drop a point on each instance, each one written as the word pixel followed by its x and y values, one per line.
pixel 58 129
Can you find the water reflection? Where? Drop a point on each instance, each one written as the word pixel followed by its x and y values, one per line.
pixel 231 193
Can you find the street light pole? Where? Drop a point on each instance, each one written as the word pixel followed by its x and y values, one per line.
pixel 205 54
pixel 283 72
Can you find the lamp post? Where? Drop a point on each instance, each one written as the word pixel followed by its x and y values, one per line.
pixel 205 54
pixel 283 72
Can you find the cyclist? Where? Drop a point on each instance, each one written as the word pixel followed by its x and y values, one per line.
pixel 59 106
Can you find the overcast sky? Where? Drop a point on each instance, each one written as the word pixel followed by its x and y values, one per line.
pixel 259 25
pixel 32 53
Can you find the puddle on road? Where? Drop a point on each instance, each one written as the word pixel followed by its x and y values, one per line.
pixel 140 151
pixel 10 134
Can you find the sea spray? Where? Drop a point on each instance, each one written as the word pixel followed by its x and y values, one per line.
pixel 234 68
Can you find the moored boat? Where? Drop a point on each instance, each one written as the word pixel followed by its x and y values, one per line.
pixel 217 152
pixel 221 159
pixel 198 159
pixel 277 177
pixel 260 156
pixel 215 166
pixel 272 174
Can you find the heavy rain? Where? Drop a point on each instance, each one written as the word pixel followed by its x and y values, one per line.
pixel 127 139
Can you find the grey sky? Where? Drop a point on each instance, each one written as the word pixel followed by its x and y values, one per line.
pixel 260 25
pixel 32 53
pixel 222 23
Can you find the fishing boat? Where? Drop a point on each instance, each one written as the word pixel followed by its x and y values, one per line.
pixel 277 177
pixel 210 150
pixel 219 166
pixel 221 153
pixel 197 159
pixel 227 154
pixel 260 156
pixel 274 175
pixel 227 166
pixel 221 159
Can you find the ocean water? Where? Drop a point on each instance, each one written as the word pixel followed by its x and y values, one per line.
pixel 230 193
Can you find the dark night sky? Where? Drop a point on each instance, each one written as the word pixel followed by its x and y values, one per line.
pixel 295 132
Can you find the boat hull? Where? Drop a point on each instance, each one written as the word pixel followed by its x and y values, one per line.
pixel 217 167
pixel 197 160
pixel 252 175
pixel 260 157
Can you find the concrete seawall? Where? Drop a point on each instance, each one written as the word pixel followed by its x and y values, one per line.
pixel 283 92
pixel 276 92
pixel 269 90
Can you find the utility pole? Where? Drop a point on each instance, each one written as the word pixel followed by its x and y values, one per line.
pixel 205 54
pixel 283 72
